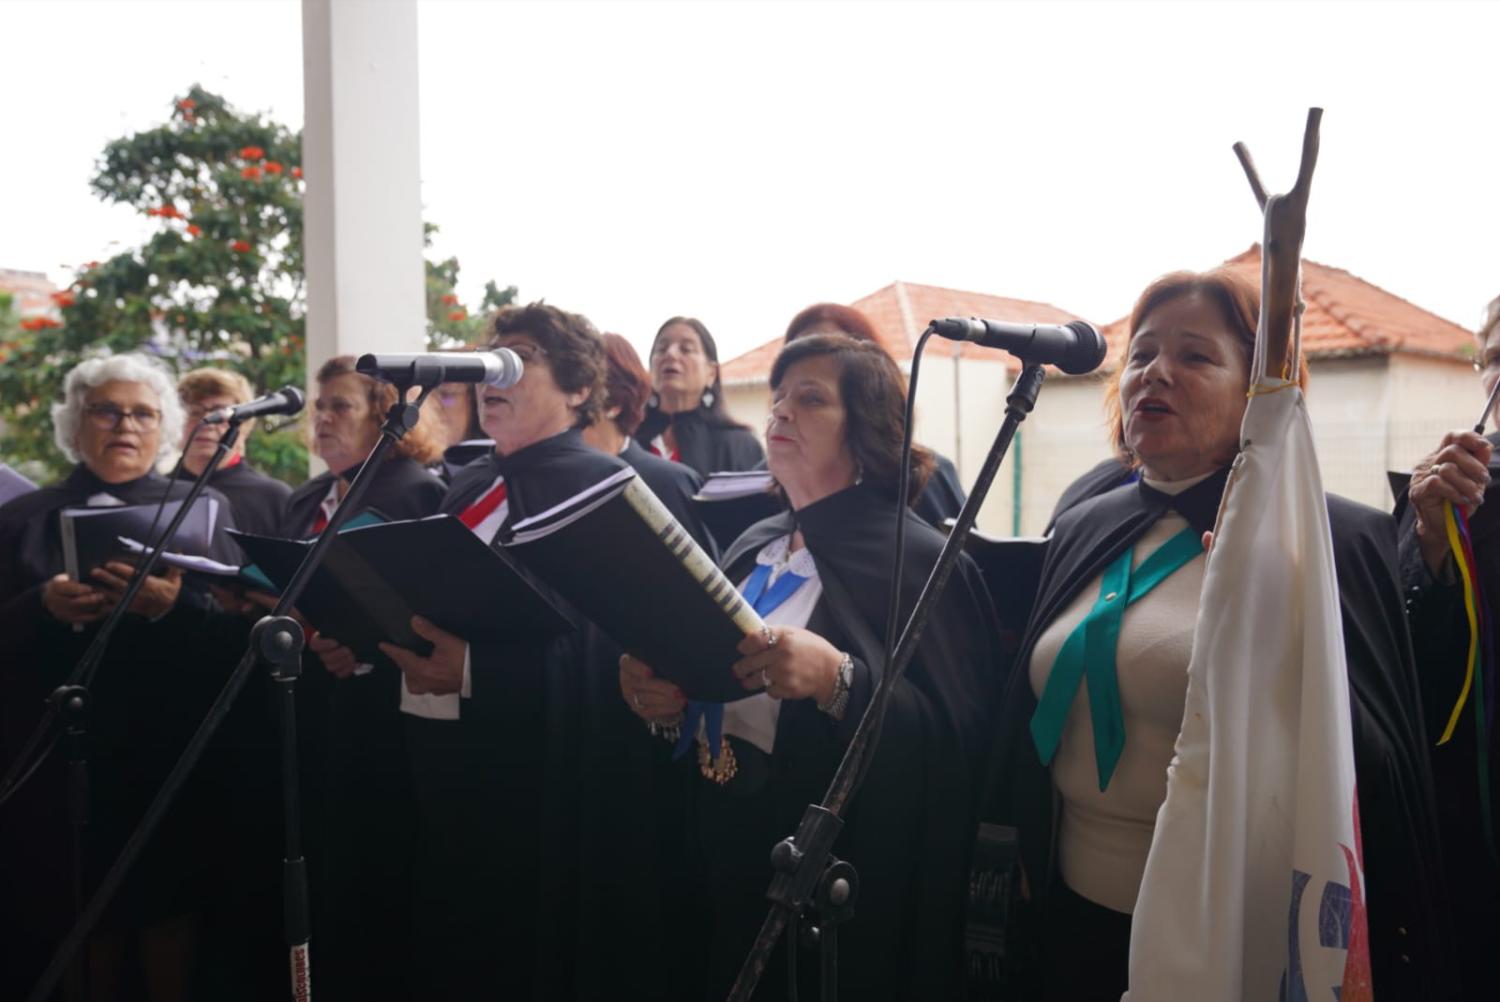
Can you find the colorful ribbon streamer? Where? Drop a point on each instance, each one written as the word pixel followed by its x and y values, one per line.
pixel 1479 668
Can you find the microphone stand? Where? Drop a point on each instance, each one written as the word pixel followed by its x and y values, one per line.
pixel 277 640
pixel 807 873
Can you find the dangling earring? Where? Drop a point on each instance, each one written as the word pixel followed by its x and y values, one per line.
pixel 859 473
pixel 708 398
pixel 653 402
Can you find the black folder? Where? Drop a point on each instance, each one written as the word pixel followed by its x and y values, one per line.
pixel 91 535
pixel 375 578
pixel 730 503
pixel 635 583
pixel 1012 570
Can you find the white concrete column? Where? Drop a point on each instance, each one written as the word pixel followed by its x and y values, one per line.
pixel 362 167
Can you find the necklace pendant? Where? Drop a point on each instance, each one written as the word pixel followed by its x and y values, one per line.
pixel 722 769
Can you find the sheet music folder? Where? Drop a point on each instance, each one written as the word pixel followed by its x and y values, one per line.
pixel 730 503
pixel 91 534
pixel 617 555
pixel 377 577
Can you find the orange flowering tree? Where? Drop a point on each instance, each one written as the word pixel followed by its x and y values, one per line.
pixel 450 324
pixel 219 280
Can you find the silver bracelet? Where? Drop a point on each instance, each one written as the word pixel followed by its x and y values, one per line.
pixel 839 701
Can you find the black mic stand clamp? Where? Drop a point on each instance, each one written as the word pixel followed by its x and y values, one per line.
pixel 808 874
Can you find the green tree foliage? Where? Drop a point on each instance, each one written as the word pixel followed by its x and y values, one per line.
pixel 219 281
pixel 449 322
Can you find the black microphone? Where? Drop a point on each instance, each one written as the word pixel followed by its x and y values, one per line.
pixel 287 400
pixel 1075 348
pixel 495 367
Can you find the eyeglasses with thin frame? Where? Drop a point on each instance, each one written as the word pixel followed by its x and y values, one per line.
pixel 528 353
pixel 107 417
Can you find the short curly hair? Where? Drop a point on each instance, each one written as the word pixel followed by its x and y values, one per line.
pixel 67 414
pixel 574 349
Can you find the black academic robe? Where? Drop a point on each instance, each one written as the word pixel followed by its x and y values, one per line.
pixel 461 454
pixel 498 790
pixel 634 888
pixel 259 501
pixel 1404 880
pixel 910 830
pixel 149 693
pixel 1101 478
pixel 706 442
pixel 1440 636
pixel 361 812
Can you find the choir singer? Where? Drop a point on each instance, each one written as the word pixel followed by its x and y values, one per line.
pixel 819 576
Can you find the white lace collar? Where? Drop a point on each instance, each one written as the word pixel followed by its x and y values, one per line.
pixel 776 554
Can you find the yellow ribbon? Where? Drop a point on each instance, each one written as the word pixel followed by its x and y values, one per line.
pixel 1457 545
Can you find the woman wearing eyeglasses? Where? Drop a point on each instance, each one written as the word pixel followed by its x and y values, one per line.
pixel 118 417
pixel 496 729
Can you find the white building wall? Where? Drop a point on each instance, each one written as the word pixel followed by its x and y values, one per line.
pixel 1063 438
pixel 1348 401
pixel 1429 397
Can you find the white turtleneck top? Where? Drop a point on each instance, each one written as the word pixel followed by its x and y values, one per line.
pixel 1103 838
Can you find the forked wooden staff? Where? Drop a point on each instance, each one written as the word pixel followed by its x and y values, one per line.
pixel 1281 250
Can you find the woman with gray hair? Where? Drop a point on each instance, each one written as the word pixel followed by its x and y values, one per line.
pixel 118 417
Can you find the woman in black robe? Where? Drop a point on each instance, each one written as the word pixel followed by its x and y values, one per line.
pixel 118 416
pixel 627 387
pixel 353 736
pixel 685 419
pixel 495 729
pixel 1464 471
pixel 835 438
pixel 1178 404
pixel 259 501
pixel 944 495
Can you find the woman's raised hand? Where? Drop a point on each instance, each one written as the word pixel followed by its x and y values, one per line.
pixel 1457 471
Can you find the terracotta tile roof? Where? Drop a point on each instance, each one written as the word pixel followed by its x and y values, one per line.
pixel 1346 316
pixel 900 313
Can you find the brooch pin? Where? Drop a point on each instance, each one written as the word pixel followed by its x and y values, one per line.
pixel 722 769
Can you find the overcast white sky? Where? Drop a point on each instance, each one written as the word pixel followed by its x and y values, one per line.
pixel 738 161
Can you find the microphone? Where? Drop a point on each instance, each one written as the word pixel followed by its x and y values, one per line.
pixel 287 400
pixel 1075 348
pixel 496 367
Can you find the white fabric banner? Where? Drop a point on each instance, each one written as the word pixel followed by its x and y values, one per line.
pixel 1254 888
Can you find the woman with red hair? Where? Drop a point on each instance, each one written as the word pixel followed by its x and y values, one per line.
pixel 1081 778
